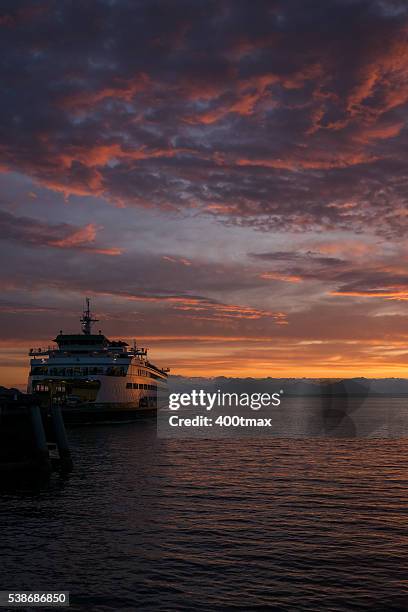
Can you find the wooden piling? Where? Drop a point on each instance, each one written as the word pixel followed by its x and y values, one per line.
pixel 61 439
pixel 42 455
pixel 27 432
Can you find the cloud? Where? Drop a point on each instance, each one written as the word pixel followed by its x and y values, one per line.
pixel 381 277
pixel 282 122
pixel 34 233
pixel 176 260
pixel 123 91
pixel 305 258
pixel 290 114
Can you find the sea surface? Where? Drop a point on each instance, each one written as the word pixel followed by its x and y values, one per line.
pixel 251 523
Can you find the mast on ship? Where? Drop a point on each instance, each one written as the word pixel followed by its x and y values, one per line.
pixel 87 320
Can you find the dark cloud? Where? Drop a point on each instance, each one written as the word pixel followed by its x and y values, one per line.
pixel 276 115
pixel 34 233
pixel 384 277
pixel 282 116
pixel 306 258
pixel 154 294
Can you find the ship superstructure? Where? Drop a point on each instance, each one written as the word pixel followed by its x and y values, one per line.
pixel 94 378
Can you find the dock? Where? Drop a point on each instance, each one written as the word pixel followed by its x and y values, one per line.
pixel 33 439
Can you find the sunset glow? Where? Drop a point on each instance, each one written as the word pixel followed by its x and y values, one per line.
pixel 229 186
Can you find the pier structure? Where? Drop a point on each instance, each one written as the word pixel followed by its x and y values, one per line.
pixel 33 439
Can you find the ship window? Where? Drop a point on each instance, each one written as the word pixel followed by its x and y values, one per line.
pixel 69 371
pixel 116 371
pixel 135 386
pixel 129 385
pixel 85 371
pixel 40 388
pixel 39 370
pixel 59 371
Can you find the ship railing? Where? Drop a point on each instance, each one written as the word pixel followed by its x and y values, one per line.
pixel 162 370
pixel 41 351
pixel 137 352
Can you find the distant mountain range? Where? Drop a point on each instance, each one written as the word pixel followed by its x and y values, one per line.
pixel 355 387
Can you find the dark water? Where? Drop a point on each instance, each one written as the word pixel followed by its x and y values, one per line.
pixel 150 524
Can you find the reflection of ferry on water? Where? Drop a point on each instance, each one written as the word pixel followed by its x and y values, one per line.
pixel 96 379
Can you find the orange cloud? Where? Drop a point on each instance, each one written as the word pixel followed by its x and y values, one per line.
pixel 124 90
pixel 392 293
pixel 101 155
pixel 182 260
pixel 313 162
pixel 91 186
pixel 287 278
pixel 202 308
pixel 219 312
pixel 247 94
pixel 199 90
pixel 223 209
pixel 84 235
pixel 378 132
pixel 344 247
pixel 387 74
pixel 84 238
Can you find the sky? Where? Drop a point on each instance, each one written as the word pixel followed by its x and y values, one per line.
pixel 227 181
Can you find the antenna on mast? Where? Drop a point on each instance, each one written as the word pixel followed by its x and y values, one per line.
pixel 87 320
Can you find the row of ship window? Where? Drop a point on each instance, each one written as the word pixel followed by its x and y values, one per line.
pixel 41 388
pixel 146 373
pixel 130 385
pixel 83 371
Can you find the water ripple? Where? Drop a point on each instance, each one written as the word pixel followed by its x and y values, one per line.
pixel 148 524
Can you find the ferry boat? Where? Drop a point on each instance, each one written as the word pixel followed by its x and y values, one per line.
pixel 95 379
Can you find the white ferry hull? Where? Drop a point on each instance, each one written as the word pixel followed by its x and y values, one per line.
pixel 113 401
pixel 95 379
